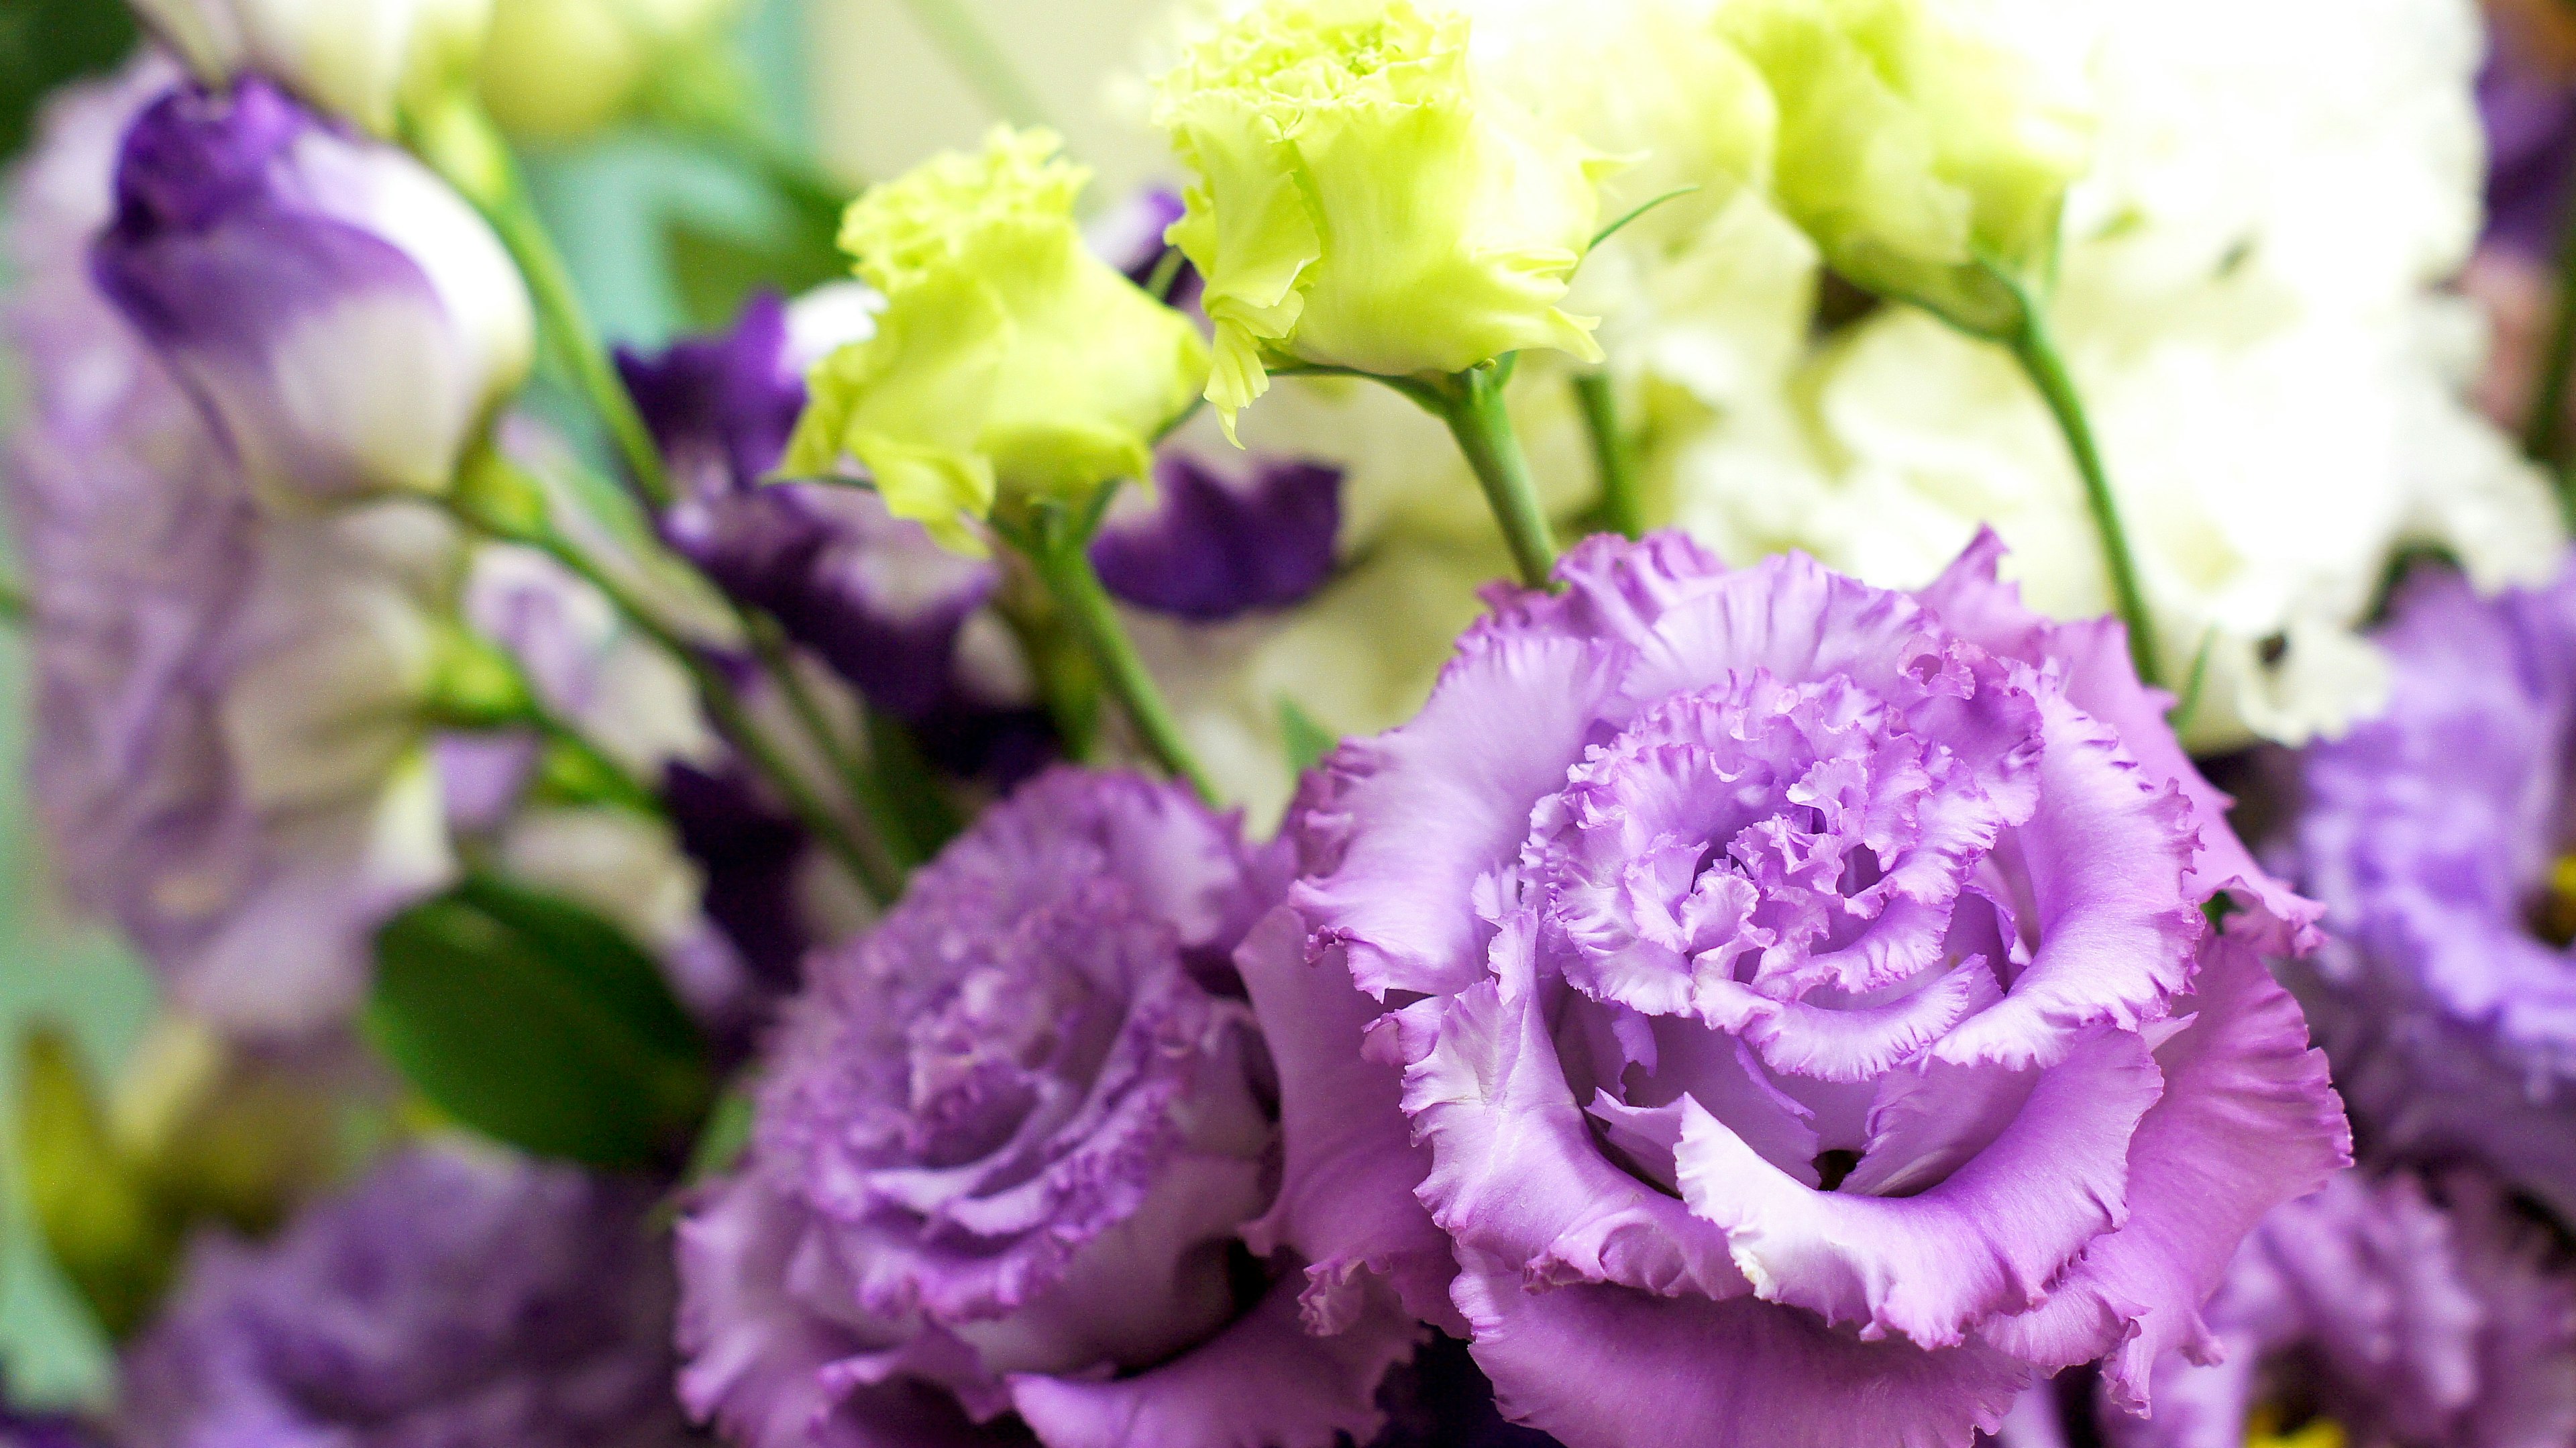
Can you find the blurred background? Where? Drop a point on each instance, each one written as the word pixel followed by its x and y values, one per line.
pixel 857 87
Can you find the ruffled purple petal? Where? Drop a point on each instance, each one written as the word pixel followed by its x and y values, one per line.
pixel 1264 1382
pixel 1414 817
pixel 1346 1194
pixel 2247 1121
pixel 1602 1367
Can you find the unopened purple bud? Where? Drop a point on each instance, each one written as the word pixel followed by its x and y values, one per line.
pixel 346 321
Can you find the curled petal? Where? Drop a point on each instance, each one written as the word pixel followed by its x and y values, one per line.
pixel 1345 1202
pixel 2247 1122
pixel 1988 1238
pixel 1265 1382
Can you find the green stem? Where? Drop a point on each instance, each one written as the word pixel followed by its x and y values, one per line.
pixel 2037 352
pixel 503 513
pixel 1471 403
pixel 978 60
pixel 461 143
pixel 600 773
pixel 875 874
pixel 875 798
pixel 2544 433
pixel 15 606
pixel 1621 508
pixel 1060 550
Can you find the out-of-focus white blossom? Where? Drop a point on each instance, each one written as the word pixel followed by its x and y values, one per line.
pixel 361 58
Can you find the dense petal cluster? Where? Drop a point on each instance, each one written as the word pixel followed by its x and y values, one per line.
pixel 1813 1018
pixel 1009 360
pixel 1361 200
pixel 2437 837
pixel 2441 1320
pixel 447 1298
pixel 259 248
pixel 1019 1150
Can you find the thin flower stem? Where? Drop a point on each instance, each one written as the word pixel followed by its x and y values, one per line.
pixel 2544 433
pixel 460 142
pixel 2037 352
pixel 979 62
pixel 875 799
pixel 875 873
pixel 1059 549
pixel 1621 508
pixel 1471 403
pixel 511 521
pixel 15 606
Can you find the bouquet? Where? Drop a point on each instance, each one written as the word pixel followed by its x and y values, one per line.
pixel 1644 724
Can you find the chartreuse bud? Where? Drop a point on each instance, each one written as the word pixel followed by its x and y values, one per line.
pixel 1363 202
pixel 1928 159
pixel 560 69
pixel 109 1235
pixel 1010 362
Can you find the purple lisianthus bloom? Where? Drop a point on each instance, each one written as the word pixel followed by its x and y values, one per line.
pixel 868 592
pixel 347 322
pixel 1806 996
pixel 446 1299
pixel 1072 1146
pixel 2434 1320
pixel 2438 836
pixel 220 755
pixel 1208 547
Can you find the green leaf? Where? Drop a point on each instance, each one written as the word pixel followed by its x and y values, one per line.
pixel 46 42
pixel 111 1238
pixel 1308 742
pixel 911 786
pixel 534 1021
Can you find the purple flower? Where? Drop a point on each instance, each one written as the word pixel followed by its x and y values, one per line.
pixel 869 593
pixel 1210 548
pixel 347 322
pixel 1812 1019
pixel 1130 237
pixel 1020 1150
pixel 2436 1320
pixel 2530 121
pixel 2438 837
pixel 221 758
pixel 446 1299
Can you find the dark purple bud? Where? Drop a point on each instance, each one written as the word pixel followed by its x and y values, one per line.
pixel 1211 549
pixel 750 852
pixel 2531 143
pixel 721 407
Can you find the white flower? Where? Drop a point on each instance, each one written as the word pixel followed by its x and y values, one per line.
pixel 2247 304
pixel 361 58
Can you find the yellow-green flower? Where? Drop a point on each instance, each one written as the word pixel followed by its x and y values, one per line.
pixel 1363 202
pixel 1928 159
pixel 1009 359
